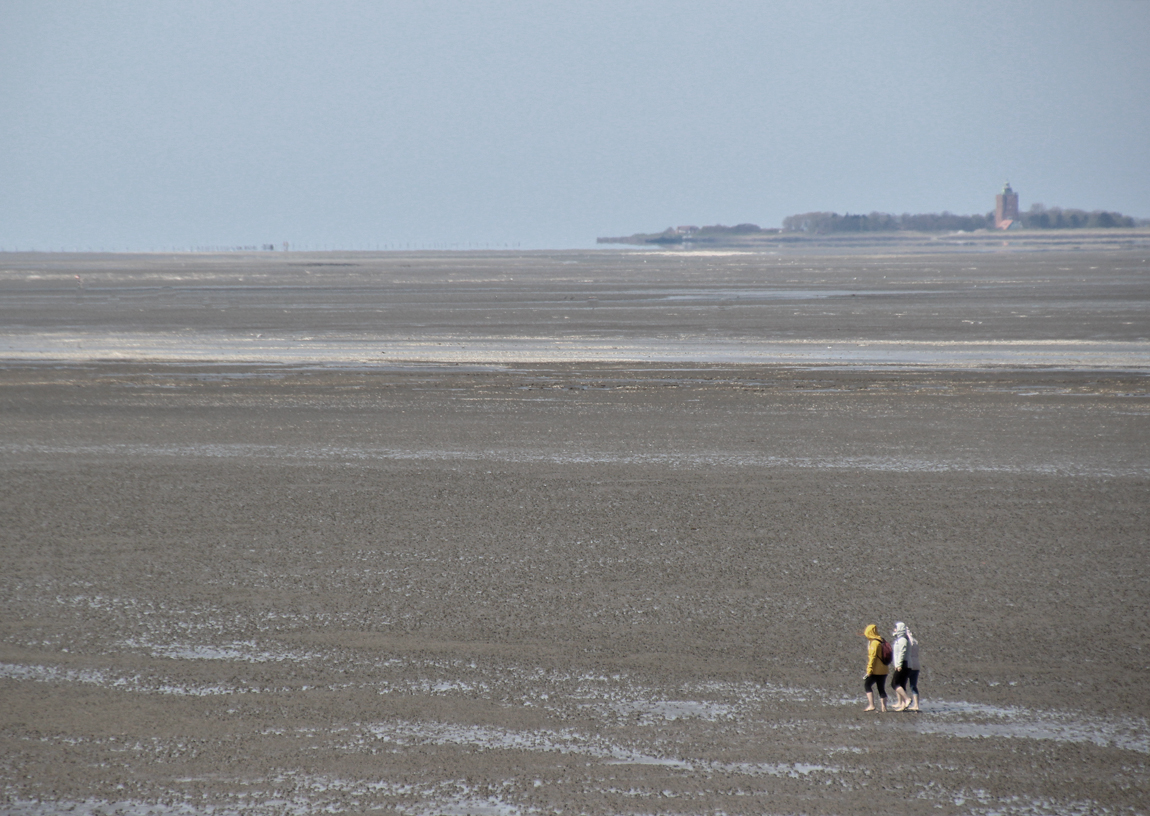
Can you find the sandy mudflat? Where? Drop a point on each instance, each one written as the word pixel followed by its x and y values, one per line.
pixel 570 533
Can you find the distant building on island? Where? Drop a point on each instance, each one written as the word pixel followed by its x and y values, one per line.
pixel 1005 208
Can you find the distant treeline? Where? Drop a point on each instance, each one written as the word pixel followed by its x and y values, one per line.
pixel 1038 217
pixel 822 223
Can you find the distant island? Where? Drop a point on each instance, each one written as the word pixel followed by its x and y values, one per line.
pixel 698 235
pixel 1037 217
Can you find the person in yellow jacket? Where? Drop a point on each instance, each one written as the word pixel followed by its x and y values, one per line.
pixel 876 670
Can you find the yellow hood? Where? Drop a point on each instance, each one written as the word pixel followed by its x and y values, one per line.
pixel 872 632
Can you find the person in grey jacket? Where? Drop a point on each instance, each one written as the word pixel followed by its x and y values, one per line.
pixel 912 667
pixel 900 645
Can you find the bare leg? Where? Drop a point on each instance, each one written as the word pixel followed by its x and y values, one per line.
pixel 914 703
pixel 902 700
pixel 882 702
pixel 869 701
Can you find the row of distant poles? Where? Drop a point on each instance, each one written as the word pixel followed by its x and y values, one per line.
pixel 284 247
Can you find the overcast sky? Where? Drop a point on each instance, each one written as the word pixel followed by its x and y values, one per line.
pixel 155 125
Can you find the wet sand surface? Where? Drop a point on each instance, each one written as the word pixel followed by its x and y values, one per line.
pixel 605 550
pixel 1084 309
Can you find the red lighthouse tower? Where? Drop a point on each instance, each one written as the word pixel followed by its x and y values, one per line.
pixel 1005 208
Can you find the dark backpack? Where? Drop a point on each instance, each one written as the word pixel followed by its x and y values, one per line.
pixel 885 652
